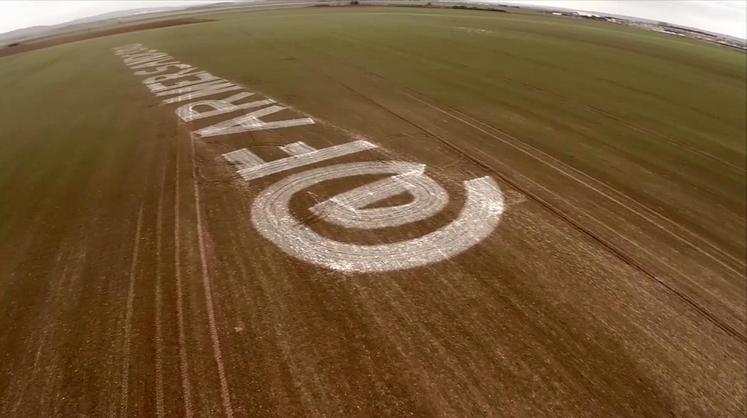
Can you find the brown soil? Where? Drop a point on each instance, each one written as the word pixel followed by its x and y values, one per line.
pixel 155 296
pixel 24 46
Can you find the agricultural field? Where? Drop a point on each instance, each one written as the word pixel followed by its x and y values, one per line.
pixel 374 211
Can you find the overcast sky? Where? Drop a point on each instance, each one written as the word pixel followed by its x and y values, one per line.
pixel 723 16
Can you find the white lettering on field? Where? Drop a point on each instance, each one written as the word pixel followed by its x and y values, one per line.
pixel 156 63
pixel 357 209
pixel 242 158
pixel 252 122
pixel 163 77
pixel 255 171
pixel 193 84
pixel 297 148
pixel 189 111
pixel 201 77
pixel 271 216
pixel 199 90
pixel 349 209
pixel 160 68
pixel 143 58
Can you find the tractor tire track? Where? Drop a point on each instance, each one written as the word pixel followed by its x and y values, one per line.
pixel 124 394
pixel 159 301
pixel 217 354
pixel 728 329
pixel 565 99
pixel 587 181
pixel 740 263
pixel 183 363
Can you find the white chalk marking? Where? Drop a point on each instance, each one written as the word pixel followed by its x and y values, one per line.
pixel 270 213
pixel 163 77
pixel 147 59
pixel 201 76
pixel 243 158
pixel 162 68
pixel 272 218
pixel 199 90
pixel 296 161
pixel 140 54
pixel 127 52
pixel 201 84
pixel 151 55
pixel 156 63
pixel 297 148
pixel 188 112
pixel 348 209
pixel 251 122
pixel 126 49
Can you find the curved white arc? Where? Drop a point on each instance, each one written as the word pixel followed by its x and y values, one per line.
pixel 348 209
pixel 272 219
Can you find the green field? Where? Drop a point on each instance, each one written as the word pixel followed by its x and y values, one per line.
pixel 657 117
pixel 635 139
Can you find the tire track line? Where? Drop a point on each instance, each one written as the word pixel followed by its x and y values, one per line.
pixel 158 301
pixel 125 389
pixel 728 329
pixel 217 354
pixel 718 250
pixel 53 300
pixel 664 137
pixel 565 99
pixel 564 168
pixel 183 364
